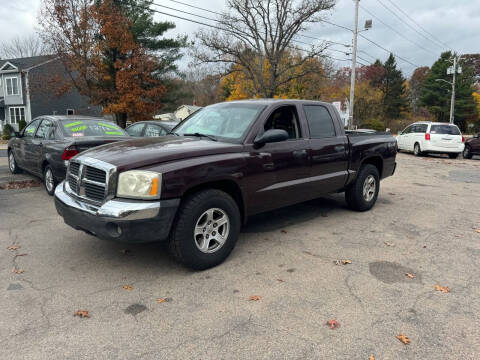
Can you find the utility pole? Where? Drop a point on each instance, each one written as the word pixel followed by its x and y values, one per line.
pixel 452 101
pixel 354 65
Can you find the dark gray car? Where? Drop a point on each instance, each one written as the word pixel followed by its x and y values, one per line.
pixel 47 143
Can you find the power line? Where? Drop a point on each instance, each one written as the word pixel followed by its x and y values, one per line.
pixel 410 26
pixel 389 51
pixel 397 32
pixel 416 23
pixel 195 7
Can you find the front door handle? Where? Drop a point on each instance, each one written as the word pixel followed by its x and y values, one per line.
pixel 300 154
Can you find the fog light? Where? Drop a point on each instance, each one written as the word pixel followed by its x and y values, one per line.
pixel 114 230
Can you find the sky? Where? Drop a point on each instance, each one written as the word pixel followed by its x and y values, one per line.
pixel 455 24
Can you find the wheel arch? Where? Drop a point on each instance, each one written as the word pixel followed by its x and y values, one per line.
pixel 376 161
pixel 226 185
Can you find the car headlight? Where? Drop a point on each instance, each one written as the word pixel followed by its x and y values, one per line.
pixel 139 184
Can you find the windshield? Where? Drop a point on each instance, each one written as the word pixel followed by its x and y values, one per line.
pixel 445 130
pixel 229 121
pixel 79 128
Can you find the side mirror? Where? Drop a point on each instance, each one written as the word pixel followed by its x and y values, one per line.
pixel 271 136
pixel 15 134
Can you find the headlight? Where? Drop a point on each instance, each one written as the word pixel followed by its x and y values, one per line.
pixel 138 184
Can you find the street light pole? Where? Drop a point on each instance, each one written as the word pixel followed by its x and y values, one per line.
pixel 452 101
pixel 354 65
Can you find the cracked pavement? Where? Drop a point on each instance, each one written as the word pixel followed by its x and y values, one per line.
pixel 423 224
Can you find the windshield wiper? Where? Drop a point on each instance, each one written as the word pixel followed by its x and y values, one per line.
pixel 172 133
pixel 197 134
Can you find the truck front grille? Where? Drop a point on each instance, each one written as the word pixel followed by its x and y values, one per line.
pixel 88 182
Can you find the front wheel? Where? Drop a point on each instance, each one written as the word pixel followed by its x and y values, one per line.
pixel 49 180
pixel 206 229
pixel 416 150
pixel 12 163
pixel 467 152
pixel 363 193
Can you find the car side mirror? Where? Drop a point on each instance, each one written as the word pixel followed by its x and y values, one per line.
pixel 271 136
pixel 15 134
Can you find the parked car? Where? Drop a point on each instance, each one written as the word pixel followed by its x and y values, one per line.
pixel 431 138
pixel 46 144
pixel 472 147
pixel 196 187
pixel 150 128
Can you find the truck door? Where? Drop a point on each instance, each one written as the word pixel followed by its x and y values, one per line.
pixel 329 151
pixel 283 167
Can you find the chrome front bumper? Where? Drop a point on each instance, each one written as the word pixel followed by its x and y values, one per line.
pixel 115 209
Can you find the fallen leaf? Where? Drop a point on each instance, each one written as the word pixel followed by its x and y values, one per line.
pixel 391 194
pixel 371 357
pixel 403 338
pixel 388 243
pixel 283 231
pixel 127 287
pixel 13 247
pixel 443 289
pixel 411 276
pixel 280 280
pixel 478 231
pixel 17 271
pixel 346 262
pixel 82 313
pixel 333 324
pixel 160 300
pixel 254 298
pixel 21 255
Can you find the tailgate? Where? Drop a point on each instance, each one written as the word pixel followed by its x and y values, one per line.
pixel 446 140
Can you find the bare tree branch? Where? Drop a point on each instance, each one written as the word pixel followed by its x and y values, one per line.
pixel 22 47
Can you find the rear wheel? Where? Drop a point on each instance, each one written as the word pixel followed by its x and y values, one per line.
pixel 467 152
pixel 12 163
pixel 49 180
pixel 416 150
pixel 452 156
pixel 363 193
pixel 206 229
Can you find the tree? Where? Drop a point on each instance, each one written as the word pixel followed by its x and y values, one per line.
pixel 414 87
pixel 254 37
pixel 393 87
pixel 436 95
pixel 22 47
pixel 112 52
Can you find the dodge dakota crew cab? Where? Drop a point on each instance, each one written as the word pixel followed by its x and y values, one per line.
pixel 196 187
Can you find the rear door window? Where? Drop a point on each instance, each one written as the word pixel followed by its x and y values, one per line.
pixel 45 130
pixel 445 130
pixel 421 128
pixel 319 121
pixel 152 130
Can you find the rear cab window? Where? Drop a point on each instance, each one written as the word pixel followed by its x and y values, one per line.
pixel 445 130
pixel 319 121
pixel 81 128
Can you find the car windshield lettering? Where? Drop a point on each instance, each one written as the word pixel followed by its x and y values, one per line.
pixel 80 128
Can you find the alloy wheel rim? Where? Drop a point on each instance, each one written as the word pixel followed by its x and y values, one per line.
pixel 11 162
pixel 49 180
pixel 416 150
pixel 369 188
pixel 211 230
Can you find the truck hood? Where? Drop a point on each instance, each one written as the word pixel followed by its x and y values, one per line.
pixel 140 152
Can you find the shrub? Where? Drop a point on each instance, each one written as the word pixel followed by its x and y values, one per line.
pixel 374 124
pixel 7 131
pixel 21 125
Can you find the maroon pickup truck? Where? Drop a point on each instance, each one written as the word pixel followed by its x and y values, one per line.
pixel 196 187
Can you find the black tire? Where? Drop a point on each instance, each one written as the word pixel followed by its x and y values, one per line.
pixel 355 193
pixel 49 180
pixel 183 241
pixel 417 151
pixel 12 163
pixel 453 156
pixel 467 152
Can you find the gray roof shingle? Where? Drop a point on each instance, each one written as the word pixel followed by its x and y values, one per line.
pixel 25 63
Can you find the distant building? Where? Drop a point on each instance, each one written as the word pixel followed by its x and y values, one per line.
pixel 185 110
pixel 343 108
pixel 30 87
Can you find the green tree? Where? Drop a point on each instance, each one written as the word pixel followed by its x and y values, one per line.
pixel 436 95
pixel 393 87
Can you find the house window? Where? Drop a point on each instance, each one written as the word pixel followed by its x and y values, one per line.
pixel 11 85
pixel 16 114
pixel 70 112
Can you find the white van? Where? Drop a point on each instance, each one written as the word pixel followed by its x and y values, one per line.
pixel 429 137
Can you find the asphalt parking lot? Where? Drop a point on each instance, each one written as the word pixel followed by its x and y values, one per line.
pixel 424 224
